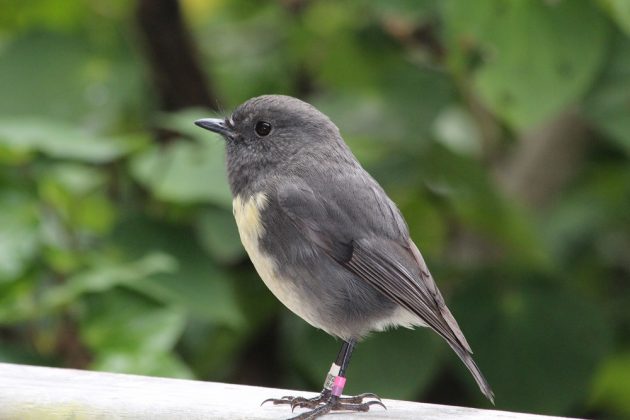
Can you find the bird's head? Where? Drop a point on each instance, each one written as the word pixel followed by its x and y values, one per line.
pixel 272 131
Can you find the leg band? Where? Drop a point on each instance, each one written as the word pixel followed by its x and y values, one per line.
pixel 332 374
pixel 338 385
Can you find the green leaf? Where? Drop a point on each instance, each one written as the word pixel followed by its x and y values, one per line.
pixel 40 73
pixel 23 354
pixel 608 104
pixel 394 114
pixel 75 178
pixel 106 276
pixel 536 56
pixel 95 214
pixel 199 287
pixel 247 61
pixel 61 140
pixel 76 193
pixel 456 129
pixel 393 364
pixel 399 363
pixel 219 236
pixel 42 13
pixel 122 321
pixel 79 77
pixel 167 365
pixel 426 225
pixel 476 202
pixel 19 234
pixel 182 122
pixel 412 10
pixel 619 10
pixel 185 172
pixel 612 386
pixel 539 347
pixel 213 351
pixel 18 301
pixel 590 215
pixel 205 290
pixel 132 335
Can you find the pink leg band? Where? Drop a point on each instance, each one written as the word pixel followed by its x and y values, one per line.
pixel 338 385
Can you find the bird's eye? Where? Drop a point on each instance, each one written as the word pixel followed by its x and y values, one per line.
pixel 263 128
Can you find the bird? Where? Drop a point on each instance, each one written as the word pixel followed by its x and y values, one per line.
pixel 326 239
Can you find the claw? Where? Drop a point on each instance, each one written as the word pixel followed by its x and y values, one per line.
pixel 335 404
pixel 379 403
pixel 298 401
pixel 325 402
pixel 359 398
pixel 276 401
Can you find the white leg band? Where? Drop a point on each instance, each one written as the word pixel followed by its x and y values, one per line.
pixel 332 374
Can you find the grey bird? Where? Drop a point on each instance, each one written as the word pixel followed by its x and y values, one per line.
pixel 326 239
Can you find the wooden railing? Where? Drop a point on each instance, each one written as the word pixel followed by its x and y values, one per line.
pixel 29 392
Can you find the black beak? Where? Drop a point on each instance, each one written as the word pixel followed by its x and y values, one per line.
pixel 216 125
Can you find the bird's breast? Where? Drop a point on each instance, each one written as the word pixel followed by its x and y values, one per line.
pixel 248 214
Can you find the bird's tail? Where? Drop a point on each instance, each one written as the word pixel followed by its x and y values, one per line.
pixel 466 357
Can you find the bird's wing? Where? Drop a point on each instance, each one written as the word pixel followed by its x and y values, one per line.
pixel 393 265
pixel 386 272
pixel 418 295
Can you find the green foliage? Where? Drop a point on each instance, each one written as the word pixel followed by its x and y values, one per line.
pixel 172 173
pixel 619 11
pixel 607 103
pixel 19 238
pixel 127 333
pixel 535 329
pixel 527 48
pixel 184 172
pixel 611 387
pixel 118 250
pixel 26 136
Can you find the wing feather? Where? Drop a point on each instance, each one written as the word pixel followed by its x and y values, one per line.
pixel 392 264
pixel 395 281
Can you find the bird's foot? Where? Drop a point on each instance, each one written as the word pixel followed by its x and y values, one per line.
pixel 338 404
pixel 301 401
pixel 322 398
pixel 326 402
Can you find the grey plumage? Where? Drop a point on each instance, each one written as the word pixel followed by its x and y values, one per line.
pixel 336 243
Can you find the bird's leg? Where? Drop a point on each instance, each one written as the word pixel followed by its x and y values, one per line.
pixel 336 402
pixel 324 396
pixel 330 398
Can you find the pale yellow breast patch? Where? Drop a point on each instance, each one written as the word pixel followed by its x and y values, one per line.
pixel 247 215
pixel 251 229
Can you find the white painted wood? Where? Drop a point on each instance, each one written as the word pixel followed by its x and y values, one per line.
pixel 34 393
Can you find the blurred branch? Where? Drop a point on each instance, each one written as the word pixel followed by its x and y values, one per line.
pixel 303 83
pixel 487 123
pixel 538 168
pixel 544 160
pixel 419 36
pixel 295 7
pixel 170 51
pixel 72 350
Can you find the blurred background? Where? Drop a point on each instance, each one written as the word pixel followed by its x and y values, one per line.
pixel 501 129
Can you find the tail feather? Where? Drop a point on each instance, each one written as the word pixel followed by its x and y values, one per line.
pixel 466 357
